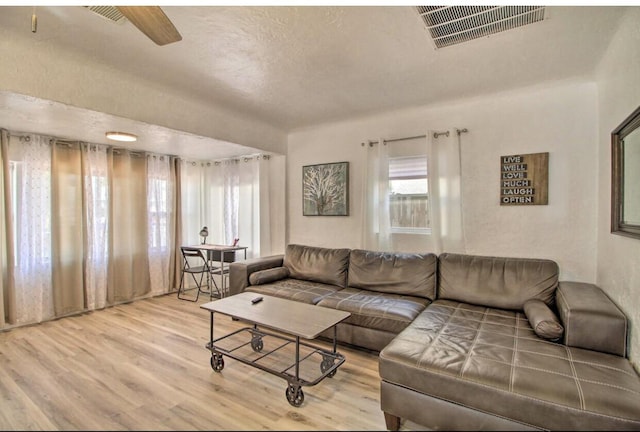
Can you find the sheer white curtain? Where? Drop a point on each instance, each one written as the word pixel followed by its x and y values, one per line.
pixel 376 225
pixel 230 197
pixel 192 201
pixel 85 226
pixel 445 195
pixel 96 196
pixel 33 276
pixel 159 213
pixel 209 199
pixel 262 182
pixel 231 178
pixel 253 206
pixel 214 200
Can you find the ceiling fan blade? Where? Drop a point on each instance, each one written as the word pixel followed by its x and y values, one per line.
pixel 153 22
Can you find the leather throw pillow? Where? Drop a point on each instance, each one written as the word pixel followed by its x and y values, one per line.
pixel 268 275
pixel 544 322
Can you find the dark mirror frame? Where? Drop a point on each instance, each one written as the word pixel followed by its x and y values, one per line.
pixel 618 226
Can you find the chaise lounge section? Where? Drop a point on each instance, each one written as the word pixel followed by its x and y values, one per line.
pixel 469 342
pixel 473 361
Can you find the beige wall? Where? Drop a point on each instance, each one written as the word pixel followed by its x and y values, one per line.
pixel 618 261
pixel 572 121
pixel 46 71
pixel 277 206
pixel 558 118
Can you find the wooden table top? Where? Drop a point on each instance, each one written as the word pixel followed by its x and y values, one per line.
pixel 215 247
pixel 288 316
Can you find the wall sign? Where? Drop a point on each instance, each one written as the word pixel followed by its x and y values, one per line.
pixel 524 179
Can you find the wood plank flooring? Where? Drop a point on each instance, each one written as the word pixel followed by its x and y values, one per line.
pixel 144 366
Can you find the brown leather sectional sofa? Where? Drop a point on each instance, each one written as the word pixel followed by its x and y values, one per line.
pixel 469 342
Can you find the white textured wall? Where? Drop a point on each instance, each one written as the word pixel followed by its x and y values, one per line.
pixel 45 71
pixel 277 205
pixel 558 118
pixel 619 94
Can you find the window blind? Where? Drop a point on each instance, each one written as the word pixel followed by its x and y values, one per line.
pixel 407 168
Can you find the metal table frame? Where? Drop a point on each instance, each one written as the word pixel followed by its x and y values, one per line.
pixel 331 359
pixel 220 269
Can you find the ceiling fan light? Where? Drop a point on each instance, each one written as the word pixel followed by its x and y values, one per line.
pixel 121 136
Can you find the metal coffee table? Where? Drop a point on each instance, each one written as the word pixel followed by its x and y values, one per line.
pixel 273 342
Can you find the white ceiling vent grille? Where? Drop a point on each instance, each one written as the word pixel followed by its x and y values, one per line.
pixel 450 25
pixel 109 12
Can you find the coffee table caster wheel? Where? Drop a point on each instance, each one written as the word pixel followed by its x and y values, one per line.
pixel 295 396
pixel 326 364
pixel 217 362
pixel 256 343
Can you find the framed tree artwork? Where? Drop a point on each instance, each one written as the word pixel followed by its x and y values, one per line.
pixel 325 189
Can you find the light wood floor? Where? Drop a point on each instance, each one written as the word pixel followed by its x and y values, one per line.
pixel 144 366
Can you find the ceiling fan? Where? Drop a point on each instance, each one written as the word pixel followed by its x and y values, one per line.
pixel 152 21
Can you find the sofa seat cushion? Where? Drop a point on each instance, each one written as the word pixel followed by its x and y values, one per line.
pixel 492 361
pixel 295 289
pixel 376 310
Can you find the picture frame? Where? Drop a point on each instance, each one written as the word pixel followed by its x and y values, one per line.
pixel 325 189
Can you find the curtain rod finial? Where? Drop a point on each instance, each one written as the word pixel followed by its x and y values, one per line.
pixel 437 134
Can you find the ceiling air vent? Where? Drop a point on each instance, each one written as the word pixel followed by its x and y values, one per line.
pixel 109 12
pixel 451 25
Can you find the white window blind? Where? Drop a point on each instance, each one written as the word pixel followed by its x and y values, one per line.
pixel 412 167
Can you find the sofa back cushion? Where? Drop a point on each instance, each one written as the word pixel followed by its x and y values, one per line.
pixel 325 265
pixel 505 283
pixel 393 272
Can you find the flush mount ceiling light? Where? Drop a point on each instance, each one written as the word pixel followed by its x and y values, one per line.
pixel 121 136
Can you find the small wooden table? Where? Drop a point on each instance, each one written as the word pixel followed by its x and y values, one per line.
pixel 282 354
pixel 222 250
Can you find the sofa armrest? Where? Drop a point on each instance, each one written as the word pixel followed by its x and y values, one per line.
pixel 590 319
pixel 240 271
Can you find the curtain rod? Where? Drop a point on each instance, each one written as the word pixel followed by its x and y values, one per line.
pixel 446 133
pixel 68 142
pixel 372 142
pixel 435 135
pixel 116 150
pixel 235 159
pixel 26 138
pixel 65 142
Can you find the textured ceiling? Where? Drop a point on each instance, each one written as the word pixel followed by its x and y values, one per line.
pixel 294 67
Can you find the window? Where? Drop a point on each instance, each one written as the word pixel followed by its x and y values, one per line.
pixel 408 195
pixel 158 208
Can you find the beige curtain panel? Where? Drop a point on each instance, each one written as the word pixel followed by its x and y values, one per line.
pixel 80 228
